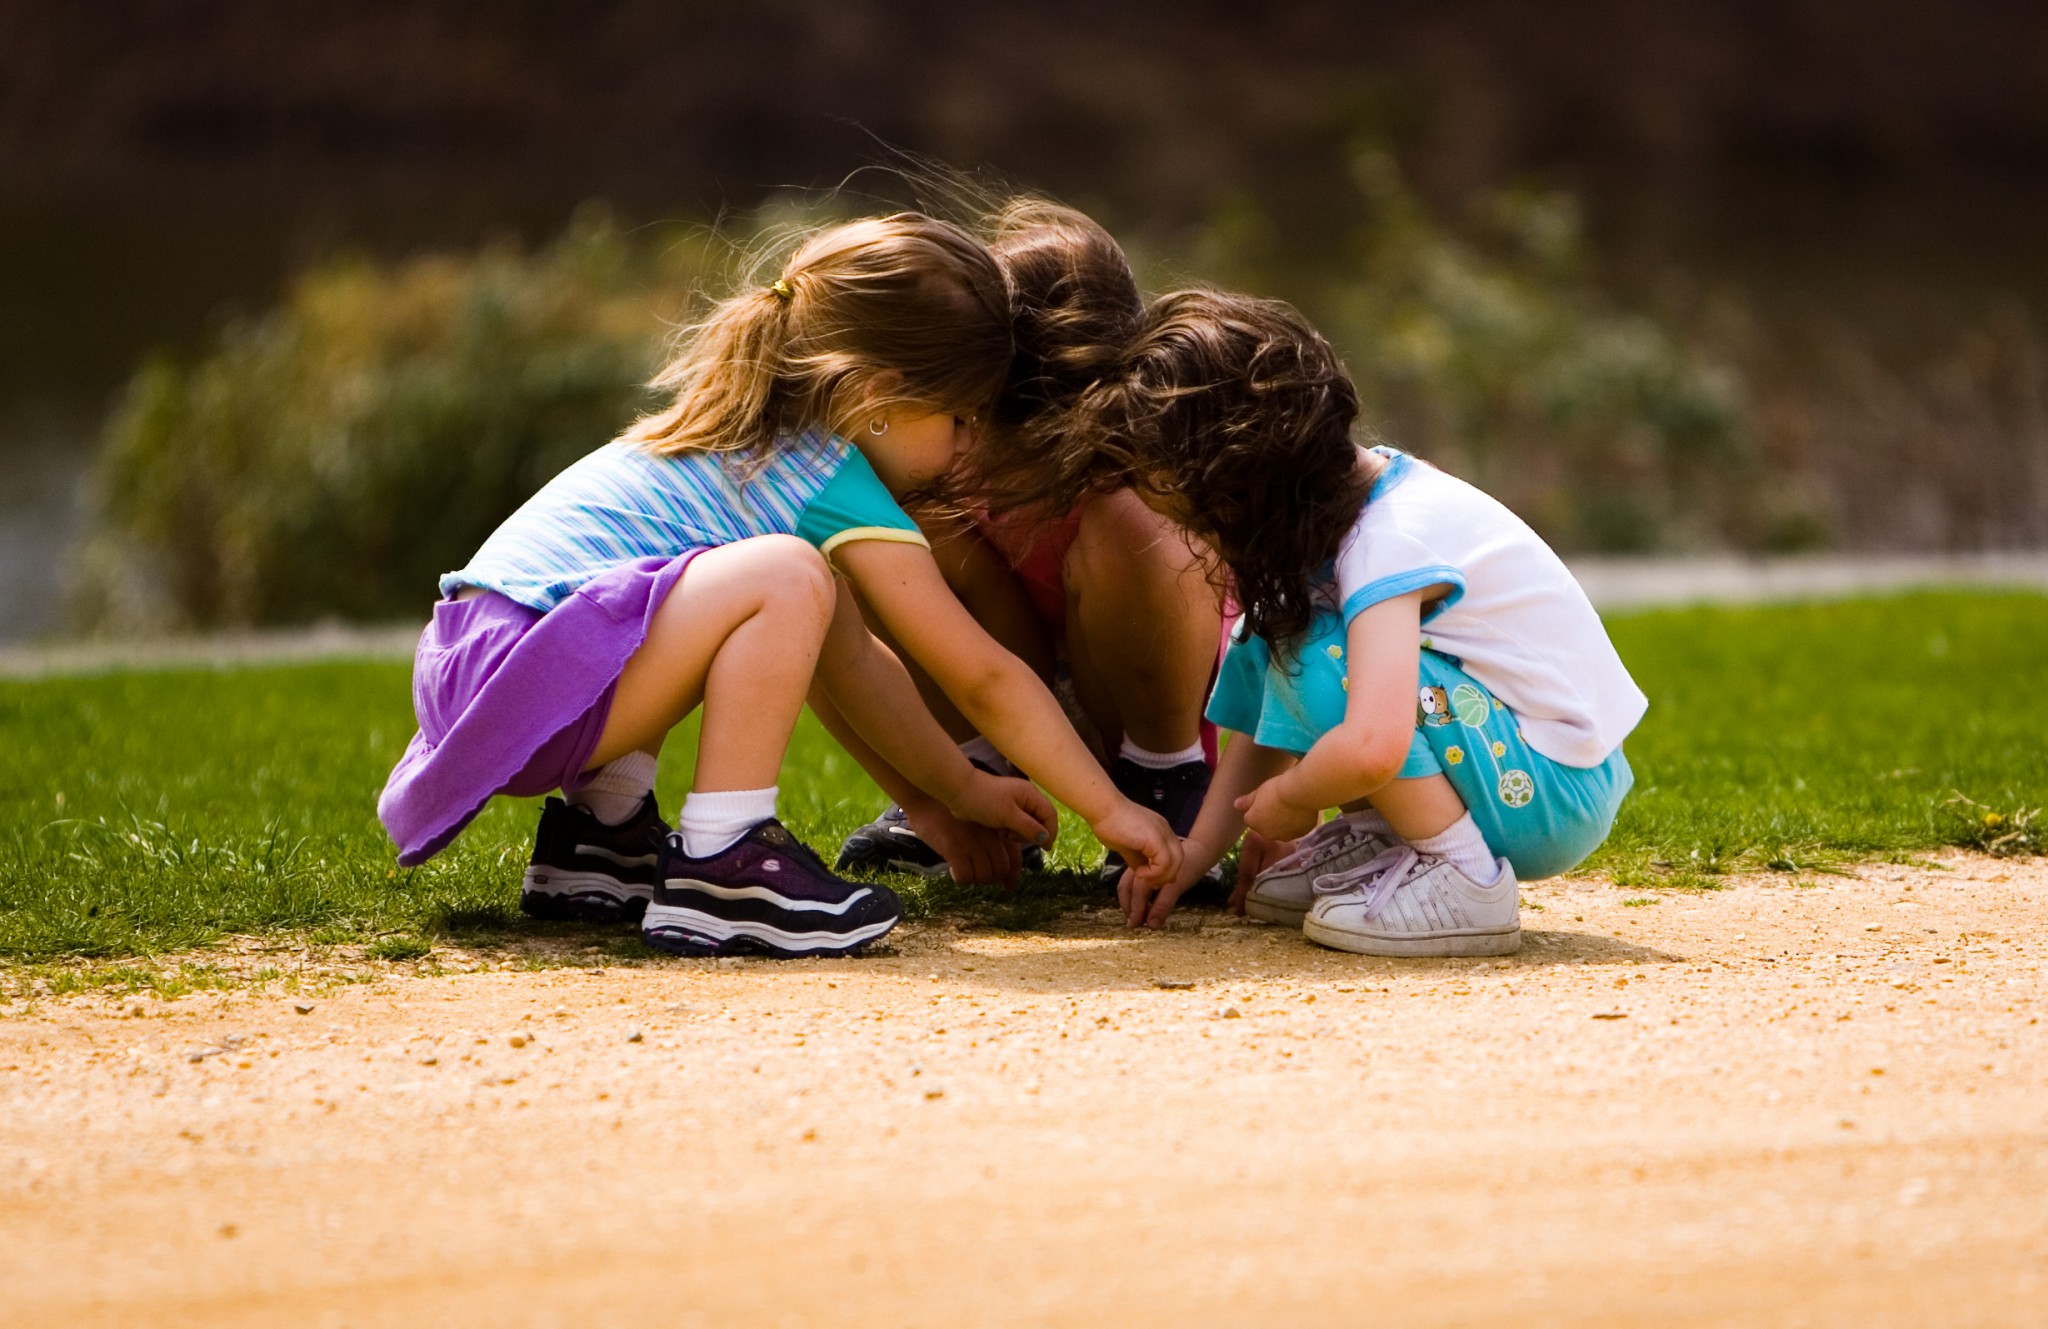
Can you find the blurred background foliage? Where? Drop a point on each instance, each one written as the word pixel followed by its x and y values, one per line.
pixel 1695 275
pixel 332 457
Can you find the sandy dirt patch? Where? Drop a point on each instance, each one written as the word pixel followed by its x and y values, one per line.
pixel 1773 1104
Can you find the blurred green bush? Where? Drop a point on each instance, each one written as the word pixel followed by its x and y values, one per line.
pixel 333 457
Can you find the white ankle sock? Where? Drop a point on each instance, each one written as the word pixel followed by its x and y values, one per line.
pixel 980 749
pixel 617 788
pixel 1462 843
pixel 1160 761
pixel 713 823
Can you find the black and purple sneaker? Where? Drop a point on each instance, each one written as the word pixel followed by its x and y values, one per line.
pixel 765 894
pixel 1174 793
pixel 584 869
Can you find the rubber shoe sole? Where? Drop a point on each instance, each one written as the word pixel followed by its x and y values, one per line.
pixel 1448 942
pixel 582 897
pixel 864 853
pixel 1280 912
pixel 681 930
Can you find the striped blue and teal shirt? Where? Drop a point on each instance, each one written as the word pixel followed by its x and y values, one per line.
pixel 621 503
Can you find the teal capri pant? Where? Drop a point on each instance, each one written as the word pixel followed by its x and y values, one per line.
pixel 1541 815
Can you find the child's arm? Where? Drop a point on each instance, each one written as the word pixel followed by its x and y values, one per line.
pixel 865 697
pixel 974 854
pixel 1243 766
pixel 1383 661
pixel 1002 697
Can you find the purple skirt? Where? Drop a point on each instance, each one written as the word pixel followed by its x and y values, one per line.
pixel 512 701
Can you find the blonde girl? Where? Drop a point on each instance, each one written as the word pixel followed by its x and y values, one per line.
pixel 706 557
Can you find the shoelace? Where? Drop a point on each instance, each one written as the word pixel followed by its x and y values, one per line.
pixel 1387 869
pixel 1329 838
pixel 797 849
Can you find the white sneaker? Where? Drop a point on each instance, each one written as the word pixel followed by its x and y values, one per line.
pixel 1284 891
pixel 1408 903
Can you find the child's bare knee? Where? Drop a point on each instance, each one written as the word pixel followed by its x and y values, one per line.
pixel 792 570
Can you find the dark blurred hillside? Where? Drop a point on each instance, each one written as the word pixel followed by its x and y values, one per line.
pixel 1695 128
pixel 1151 105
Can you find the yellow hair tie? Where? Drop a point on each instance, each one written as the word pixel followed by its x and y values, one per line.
pixel 782 290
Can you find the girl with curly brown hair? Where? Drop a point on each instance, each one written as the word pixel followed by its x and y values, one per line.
pixel 1410 652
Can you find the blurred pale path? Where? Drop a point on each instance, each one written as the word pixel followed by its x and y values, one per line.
pixel 1644 583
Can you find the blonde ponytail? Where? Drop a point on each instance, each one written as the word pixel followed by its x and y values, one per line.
pixel 864 317
pixel 723 379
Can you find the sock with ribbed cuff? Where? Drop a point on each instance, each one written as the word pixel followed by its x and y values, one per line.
pixel 712 823
pixel 979 749
pixel 1160 761
pixel 1462 843
pixel 616 789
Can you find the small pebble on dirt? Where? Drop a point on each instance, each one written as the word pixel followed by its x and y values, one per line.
pixel 303 1007
pixel 1172 984
pixel 518 1040
pixel 1610 1015
pixel 636 1037
pixel 1231 1013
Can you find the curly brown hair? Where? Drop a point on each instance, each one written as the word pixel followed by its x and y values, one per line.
pixel 1074 310
pixel 1237 416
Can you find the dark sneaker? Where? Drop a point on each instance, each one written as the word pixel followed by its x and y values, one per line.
pixel 585 869
pixel 1174 793
pixel 765 894
pixel 887 844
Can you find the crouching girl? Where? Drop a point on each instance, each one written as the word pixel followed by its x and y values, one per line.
pixel 1410 652
pixel 692 561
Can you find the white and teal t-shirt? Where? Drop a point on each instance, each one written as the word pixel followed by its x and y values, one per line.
pixel 621 503
pixel 1514 617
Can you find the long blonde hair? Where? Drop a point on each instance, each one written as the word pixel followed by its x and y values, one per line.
pixel 864 317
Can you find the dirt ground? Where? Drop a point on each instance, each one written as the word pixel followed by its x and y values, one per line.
pixel 1776 1104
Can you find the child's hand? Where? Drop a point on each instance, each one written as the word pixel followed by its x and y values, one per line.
pixel 1008 804
pixel 1267 811
pixel 1257 853
pixel 975 855
pixel 1144 839
pixel 1147 905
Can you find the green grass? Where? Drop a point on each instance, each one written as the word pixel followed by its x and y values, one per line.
pixel 1790 737
pixel 148 812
